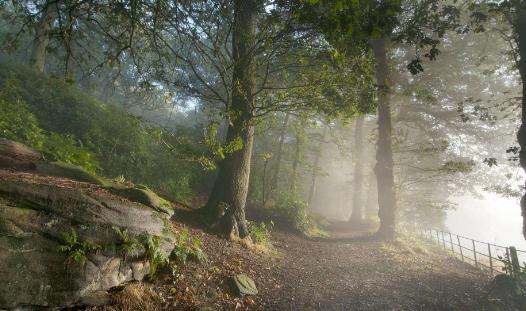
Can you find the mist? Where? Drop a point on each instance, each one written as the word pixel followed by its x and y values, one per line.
pixel 262 155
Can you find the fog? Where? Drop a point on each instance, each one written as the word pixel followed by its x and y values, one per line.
pixel 492 218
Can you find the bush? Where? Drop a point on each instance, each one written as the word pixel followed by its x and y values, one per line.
pixel 17 122
pixel 293 212
pixel 67 124
pixel 260 232
pixel 188 248
pixel 64 148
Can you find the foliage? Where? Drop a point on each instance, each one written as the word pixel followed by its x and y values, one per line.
pixel 188 248
pixel 260 232
pixel 66 124
pixel 517 277
pixel 154 254
pixel 65 148
pixel 452 166
pixel 17 122
pixel 76 250
pixel 287 211
pixel 127 246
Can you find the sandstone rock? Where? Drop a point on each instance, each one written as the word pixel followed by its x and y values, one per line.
pixel 33 219
pixel 60 169
pixel 142 194
pixel 244 285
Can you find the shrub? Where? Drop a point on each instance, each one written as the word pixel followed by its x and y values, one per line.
pixel 291 212
pixel 260 233
pixel 69 125
pixel 188 248
pixel 65 149
pixel 17 122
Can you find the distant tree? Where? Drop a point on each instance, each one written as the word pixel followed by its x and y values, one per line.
pixel 359 180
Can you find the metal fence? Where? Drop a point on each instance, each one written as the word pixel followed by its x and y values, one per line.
pixel 490 257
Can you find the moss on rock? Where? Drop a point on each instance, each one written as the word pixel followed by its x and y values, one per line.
pixel 66 170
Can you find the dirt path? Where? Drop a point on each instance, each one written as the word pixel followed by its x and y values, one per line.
pixel 330 275
pixel 370 276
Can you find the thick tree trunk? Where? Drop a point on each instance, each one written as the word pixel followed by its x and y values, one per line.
pixel 42 33
pixel 384 153
pixel 275 177
pixel 357 203
pixel 521 135
pixel 227 201
pixel 315 172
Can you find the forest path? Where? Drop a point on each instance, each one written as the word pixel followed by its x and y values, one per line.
pixel 333 274
pixel 370 275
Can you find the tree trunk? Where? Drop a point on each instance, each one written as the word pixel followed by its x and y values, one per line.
pixel 521 135
pixel 69 73
pixel 296 161
pixel 227 202
pixel 314 180
pixel 275 176
pixel 384 153
pixel 357 203
pixel 42 33
pixel 371 202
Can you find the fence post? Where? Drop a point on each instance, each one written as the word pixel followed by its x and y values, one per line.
pixel 515 265
pixel 451 240
pixel 460 248
pixel 490 260
pixel 509 260
pixel 438 239
pixel 443 240
pixel 474 253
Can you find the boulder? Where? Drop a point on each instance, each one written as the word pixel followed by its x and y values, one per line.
pixel 244 285
pixel 14 155
pixel 142 194
pixel 36 221
pixel 61 169
pixel 17 156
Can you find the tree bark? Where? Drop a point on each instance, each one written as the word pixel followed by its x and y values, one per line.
pixel 279 153
pixel 315 174
pixel 521 135
pixel 357 204
pixel 384 153
pixel 227 201
pixel 42 33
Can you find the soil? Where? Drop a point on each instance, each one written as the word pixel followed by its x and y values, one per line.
pixel 342 273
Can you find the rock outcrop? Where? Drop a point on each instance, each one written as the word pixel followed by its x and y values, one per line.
pixel 61 241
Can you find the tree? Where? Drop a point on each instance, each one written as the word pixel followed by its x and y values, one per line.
pixel 384 153
pixel 358 203
pixel 520 28
pixel 315 167
pixel 279 153
pixel 42 33
pixel 231 187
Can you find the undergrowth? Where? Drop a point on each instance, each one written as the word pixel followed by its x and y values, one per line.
pixel 186 248
pixel 260 232
pixel 76 250
pixel 291 212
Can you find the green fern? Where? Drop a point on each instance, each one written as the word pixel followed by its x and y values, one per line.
pixel 75 250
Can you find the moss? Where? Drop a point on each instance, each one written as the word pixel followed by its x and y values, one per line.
pixel 70 171
pixel 142 194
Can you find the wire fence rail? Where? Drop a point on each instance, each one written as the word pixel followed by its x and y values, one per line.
pixel 492 258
